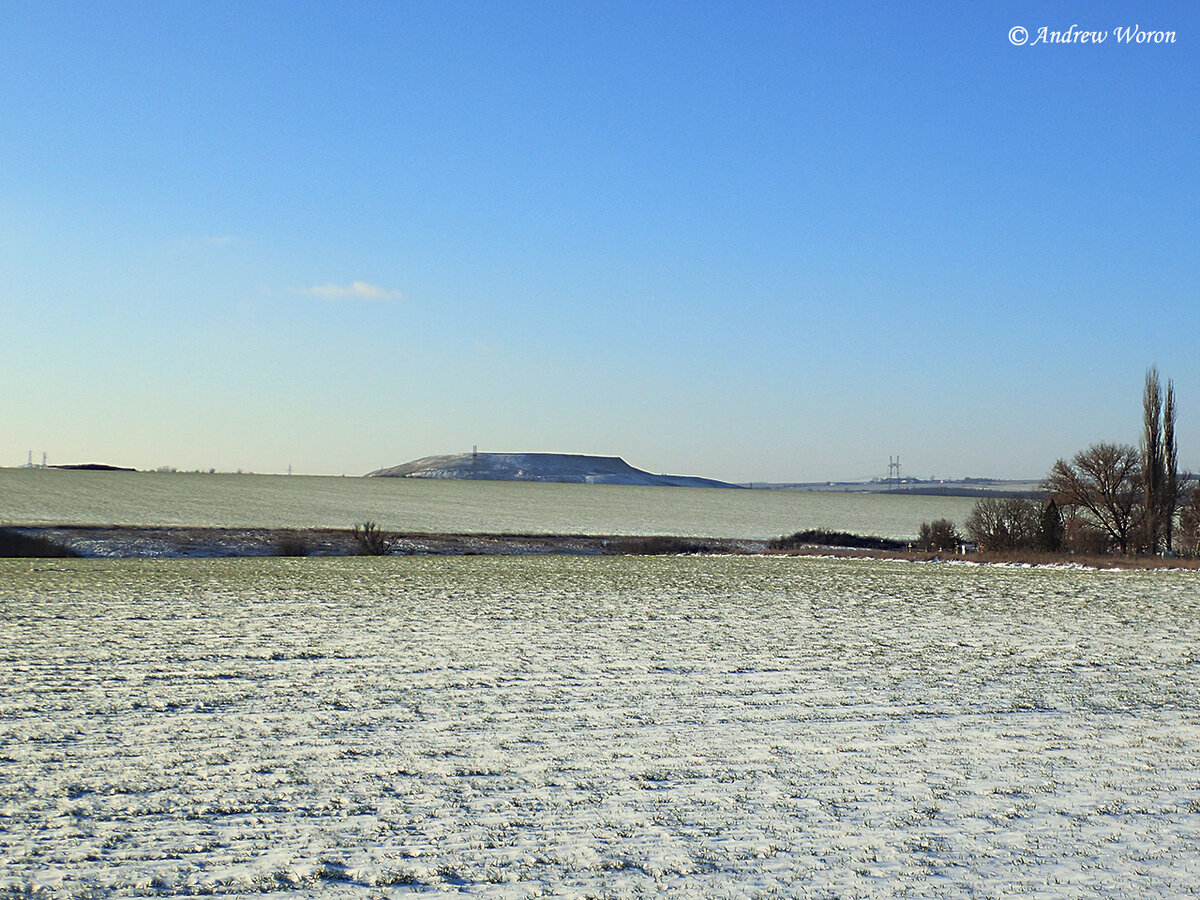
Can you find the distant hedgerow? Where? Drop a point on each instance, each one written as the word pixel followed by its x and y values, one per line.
pixel 657 545
pixel 824 537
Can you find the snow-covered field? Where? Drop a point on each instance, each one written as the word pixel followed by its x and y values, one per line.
pixel 61 497
pixel 597 727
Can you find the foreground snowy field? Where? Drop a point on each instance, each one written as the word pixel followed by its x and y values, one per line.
pixel 613 727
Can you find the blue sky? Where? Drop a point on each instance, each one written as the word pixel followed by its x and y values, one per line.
pixel 754 241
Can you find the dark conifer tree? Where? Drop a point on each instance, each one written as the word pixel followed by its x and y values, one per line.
pixel 1050 529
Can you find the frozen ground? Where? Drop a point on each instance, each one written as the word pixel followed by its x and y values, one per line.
pixel 596 727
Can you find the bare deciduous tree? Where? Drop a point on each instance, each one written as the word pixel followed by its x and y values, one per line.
pixel 940 534
pixel 1189 524
pixel 1005 523
pixel 1082 535
pixel 1104 482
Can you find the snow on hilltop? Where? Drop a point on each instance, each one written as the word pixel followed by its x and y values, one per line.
pixel 562 467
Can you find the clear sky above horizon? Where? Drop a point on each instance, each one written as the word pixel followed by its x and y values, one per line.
pixel 752 241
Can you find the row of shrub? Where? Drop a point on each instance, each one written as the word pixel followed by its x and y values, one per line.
pixel 657 545
pixel 824 537
pixel 1004 524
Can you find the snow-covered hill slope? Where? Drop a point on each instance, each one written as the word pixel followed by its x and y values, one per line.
pixel 562 467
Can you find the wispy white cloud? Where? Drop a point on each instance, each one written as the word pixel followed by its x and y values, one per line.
pixel 355 290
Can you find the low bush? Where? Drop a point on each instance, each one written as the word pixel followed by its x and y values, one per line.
pixel 371 540
pixel 291 545
pixel 14 543
pixel 940 534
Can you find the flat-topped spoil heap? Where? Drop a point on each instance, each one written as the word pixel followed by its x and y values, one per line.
pixel 568 468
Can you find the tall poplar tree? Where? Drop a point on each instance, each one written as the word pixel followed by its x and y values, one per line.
pixel 1153 472
pixel 1160 463
pixel 1170 495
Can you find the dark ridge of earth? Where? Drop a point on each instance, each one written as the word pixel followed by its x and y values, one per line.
pixel 150 541
pixel 146 541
